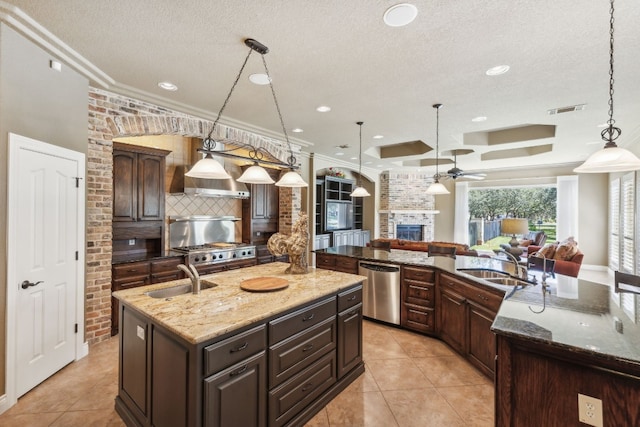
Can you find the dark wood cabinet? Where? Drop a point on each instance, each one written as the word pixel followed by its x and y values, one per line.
pixel 466 312
pixel 141 273
pixel 138 183
pixel 260 212
pixel 417 296
pixel 344 264
pixel 349 330
pixel 225 266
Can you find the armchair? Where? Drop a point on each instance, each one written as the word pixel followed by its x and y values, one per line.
pixel 568 267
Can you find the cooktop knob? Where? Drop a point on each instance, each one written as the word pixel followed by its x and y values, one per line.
pixel 196 259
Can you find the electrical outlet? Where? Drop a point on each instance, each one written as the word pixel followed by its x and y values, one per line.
pixel 132 242
pixel 589 410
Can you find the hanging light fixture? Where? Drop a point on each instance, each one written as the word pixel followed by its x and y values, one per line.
pixel 360 191
pixel 436 188
pixel 611 158
pixel 208 167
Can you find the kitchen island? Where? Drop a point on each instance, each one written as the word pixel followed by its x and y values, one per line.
pixel 229 357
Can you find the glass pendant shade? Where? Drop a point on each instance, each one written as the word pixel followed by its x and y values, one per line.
pixel 208 168
pixel 291 179
pixel 256 175
pixel 360 192
pixel 609 159
pixel 437 188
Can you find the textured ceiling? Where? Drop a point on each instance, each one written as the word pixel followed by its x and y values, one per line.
pixel 340 53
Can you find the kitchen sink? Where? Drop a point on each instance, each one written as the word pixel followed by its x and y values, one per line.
pixel 174 291
pixel 484 274
pixel 508 281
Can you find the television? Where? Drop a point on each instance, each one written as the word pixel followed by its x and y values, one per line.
pixel 338 215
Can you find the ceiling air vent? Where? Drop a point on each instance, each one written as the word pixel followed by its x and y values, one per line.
pixel 570 109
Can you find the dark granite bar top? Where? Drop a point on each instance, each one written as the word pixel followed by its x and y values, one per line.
pixel 579 316
pixel 144 257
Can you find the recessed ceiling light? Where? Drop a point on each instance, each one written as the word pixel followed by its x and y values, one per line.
pixel 378 136
pixel 168 86
pixel 354 158
pixel 259 79
pixel 603 125
pixel 497 70
pixel 367 163
pixel 479 119
pixel 400 15
pixel 339 153
pixel 380 166
pixel 297 130
pixel 323 109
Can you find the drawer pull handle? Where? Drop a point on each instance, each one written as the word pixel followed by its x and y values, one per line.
pixel 240 348
pixel 351 298
pixel 307 387
pixel 307 347
pixel 309 317
pixel 351 313
pixel 238 371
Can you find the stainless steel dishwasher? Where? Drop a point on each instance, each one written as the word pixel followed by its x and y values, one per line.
pixel 381 292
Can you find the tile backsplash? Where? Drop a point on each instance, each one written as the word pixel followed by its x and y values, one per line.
pixel 184 205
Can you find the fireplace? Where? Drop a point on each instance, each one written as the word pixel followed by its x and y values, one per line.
pixel 409 232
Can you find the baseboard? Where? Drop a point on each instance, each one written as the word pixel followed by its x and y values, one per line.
pixel 83 351
pixel 4 403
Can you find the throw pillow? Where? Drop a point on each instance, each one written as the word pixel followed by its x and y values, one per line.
pixel 525 243
pixel 566 249
pixel 548 250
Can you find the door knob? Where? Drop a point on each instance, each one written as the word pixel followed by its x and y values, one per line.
pixel 26 284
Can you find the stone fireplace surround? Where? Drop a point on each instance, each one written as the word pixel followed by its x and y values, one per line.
pixel 114 116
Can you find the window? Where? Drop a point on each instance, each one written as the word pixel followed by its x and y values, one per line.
pixel 614 224
pixel 627 209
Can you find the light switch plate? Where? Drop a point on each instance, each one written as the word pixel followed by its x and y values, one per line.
pixel 590 410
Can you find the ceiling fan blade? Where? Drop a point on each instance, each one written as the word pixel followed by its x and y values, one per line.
pixel 476 176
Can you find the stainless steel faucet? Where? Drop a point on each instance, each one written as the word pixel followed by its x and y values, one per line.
pixel 521 270
pixel 193 275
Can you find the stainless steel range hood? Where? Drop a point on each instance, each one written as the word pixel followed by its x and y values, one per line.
pixel 209 187
pixel 229 188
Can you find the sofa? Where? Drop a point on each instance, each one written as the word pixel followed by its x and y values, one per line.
pixel 412 245
pixel 568 266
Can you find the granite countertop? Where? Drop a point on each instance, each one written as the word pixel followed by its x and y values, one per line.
pixel 225 308
pixel 579 316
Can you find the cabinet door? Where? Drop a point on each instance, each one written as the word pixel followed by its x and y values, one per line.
pixel 133 363
pixel 349 339
pixel 150 187
pixel 482 342
pixel 357 238
pixel 259 201
pixel 453 320
pixel 237 395
pixel 125 186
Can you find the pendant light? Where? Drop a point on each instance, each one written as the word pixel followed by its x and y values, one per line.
pixel 611 158
pixel 208 167
pixel 360 191
pixel 436 188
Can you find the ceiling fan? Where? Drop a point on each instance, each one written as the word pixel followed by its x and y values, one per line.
pixel 455 172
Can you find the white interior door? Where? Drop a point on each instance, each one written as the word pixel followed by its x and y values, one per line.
pixel 45 266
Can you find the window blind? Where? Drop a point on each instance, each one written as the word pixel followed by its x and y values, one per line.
pixel 614 224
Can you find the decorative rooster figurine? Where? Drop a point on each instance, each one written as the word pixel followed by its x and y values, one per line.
pixel 294 245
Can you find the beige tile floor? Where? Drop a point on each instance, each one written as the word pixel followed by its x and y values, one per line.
pixel 410 380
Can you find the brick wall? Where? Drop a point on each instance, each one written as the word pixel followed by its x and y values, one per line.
pixel 406 191
pixel 113 116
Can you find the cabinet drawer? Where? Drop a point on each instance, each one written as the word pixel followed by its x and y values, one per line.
pixel 421 319
pixel 349 298
pixel 169 265
pixel 420 274
pixel 292 355
pixel 129 282
pixel 227 352
pixel 129 269
pixel 325 261
pixel 419 293
pixel 166 277
pixel 297 393
pixel 347 264
pixel 485 298
pixel 453 283
pixel 300 320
